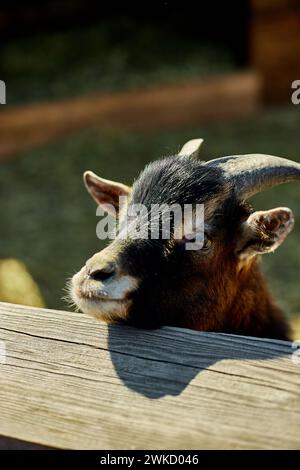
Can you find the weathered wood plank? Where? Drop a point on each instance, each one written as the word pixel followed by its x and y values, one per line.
pixel 72 382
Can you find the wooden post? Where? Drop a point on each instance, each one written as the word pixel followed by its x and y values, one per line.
pixel 275 46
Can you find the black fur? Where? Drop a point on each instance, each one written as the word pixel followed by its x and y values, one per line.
pixel 177 180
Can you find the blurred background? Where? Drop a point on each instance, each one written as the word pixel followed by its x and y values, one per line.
pixel 111 87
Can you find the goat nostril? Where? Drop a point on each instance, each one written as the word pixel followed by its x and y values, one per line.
pixel 102 274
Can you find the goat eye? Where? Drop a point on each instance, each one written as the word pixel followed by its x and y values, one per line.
pixel 207 243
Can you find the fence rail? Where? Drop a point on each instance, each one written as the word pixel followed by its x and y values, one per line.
pixel 68 381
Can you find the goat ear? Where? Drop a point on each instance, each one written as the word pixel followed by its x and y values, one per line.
pixel 264 231
pixel 106 193
pixel 191 148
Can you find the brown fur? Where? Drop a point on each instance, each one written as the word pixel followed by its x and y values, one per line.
pixel 217 288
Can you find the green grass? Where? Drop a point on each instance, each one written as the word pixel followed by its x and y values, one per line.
pixel 106 57
pixel 48 220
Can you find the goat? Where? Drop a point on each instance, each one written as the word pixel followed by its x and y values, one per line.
pixel 150 283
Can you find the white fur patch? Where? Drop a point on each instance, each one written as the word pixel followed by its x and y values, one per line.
pixel 105 310
pixel 111 307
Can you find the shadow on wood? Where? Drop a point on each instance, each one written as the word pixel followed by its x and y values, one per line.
pixel 163 362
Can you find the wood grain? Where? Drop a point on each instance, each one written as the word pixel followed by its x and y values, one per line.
pixel 72 382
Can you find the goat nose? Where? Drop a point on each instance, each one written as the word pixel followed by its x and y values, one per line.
pixel 101 273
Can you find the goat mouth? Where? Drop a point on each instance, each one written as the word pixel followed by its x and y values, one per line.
pixel 96 296
pixel 103 308
pixel 109 302
pixel 114 290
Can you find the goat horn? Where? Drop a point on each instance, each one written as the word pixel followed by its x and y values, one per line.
pixel 251 174
pixel 191 148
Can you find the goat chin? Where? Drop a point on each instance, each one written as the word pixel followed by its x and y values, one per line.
pixel 109 311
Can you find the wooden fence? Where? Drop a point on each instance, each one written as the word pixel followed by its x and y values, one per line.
pixel 69 381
